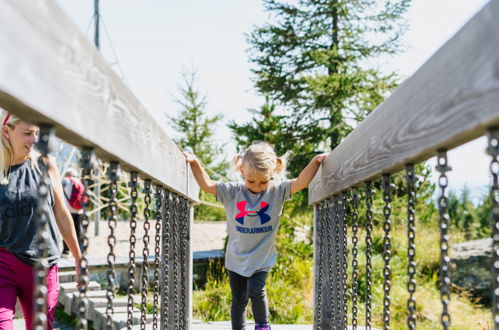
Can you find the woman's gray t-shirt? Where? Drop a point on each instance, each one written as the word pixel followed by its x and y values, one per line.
pixel 18 225
pixel 252 223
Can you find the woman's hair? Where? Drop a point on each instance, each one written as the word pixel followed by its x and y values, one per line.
pixel 6 149
pixel 261 157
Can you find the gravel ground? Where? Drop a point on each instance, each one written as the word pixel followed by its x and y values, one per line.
pixel 206 236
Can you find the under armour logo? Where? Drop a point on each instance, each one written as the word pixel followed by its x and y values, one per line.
pixel 241 206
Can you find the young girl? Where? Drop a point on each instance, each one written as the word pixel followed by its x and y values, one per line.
pixel 19 178
pixel 253 210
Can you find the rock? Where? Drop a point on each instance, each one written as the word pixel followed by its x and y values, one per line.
pixel 471 263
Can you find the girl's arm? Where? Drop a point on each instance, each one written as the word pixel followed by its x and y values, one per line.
pixel 307 174
pixel 202 178
pixel 62 215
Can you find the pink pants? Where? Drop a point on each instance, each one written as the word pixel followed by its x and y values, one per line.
pixel 17 279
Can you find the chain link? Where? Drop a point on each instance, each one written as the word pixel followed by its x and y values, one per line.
pixel 145 253
pixel 355 252
pixel 86 176
pixel 41 267
pixel 184 227
pixel 167 202
pixel 387 242
pixel 493 151
pixel 329 214
pixel 344 317
pixel 411 244
pixel 320 245
pixel 175 232
pixel 157 251
pixel 111 241
pixel 443 203
pixel 337 238
pixel 369 229
pixel 134 185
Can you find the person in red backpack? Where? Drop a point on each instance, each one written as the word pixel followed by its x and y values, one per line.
pixel 73 190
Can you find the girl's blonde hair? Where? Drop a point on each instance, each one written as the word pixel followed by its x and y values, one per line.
pixel 261 157
pixel 6 152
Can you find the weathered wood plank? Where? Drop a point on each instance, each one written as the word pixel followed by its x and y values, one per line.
pixel 51 74
pixel 452 99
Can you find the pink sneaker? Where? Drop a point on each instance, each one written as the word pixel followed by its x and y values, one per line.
pixel 265 326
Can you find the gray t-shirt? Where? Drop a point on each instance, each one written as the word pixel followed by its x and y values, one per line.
pixel 18 225
pixel 252 223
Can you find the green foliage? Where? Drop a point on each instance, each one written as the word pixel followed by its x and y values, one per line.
pixel 196 129
pixel 64 318
pixel 311 61
pixel 207 212
pixel 213 303
pixel 474 221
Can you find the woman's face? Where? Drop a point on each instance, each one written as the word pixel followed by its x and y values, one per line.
pixel 22 137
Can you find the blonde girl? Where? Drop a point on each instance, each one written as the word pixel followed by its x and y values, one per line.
pixel 253 209
pixel 19 179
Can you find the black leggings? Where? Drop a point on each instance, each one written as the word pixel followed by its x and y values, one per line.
pixel 244 288
pixel 77 222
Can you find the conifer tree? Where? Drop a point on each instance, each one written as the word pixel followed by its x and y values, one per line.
pixel 196 133
pixel 314 62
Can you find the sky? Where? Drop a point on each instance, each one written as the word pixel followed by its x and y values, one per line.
pixel 151 42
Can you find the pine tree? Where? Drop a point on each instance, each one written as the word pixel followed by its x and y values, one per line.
pixel 313 61
pixel 195 129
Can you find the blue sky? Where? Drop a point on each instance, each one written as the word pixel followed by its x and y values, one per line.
pixel 155 40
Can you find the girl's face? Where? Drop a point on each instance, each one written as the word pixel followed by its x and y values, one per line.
pixel 22 137
pixel 255 181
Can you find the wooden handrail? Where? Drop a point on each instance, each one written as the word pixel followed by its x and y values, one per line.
pixel 452 99
pixel 51 74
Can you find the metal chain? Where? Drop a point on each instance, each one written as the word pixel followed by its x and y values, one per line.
pixel 157 251
pixel 355 252
pixel 175 231
pixel 134 185
pixel 344 260
pixel 184 218
pixel 167 202
pixel 493 151
pixel 111 241
pixel 320 245
pixel 42 236
pixel 145 253
pixel 86 172
pixel 443 203
pixel 337 238
pixel 369 229
pixel 387 242
pixel 411 244
pixel 329 212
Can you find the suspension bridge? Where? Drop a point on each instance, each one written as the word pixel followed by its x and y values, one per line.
pixel 53 76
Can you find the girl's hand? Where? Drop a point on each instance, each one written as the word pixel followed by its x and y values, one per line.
pixel 320 158
pixel 189 156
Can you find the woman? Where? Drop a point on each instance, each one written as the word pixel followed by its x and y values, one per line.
pixel 20 176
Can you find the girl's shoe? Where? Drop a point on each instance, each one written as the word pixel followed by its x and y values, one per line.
pixel 265 326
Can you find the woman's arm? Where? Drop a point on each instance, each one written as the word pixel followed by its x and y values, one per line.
pixel 307 174
pixel 203 179
pixel 62 214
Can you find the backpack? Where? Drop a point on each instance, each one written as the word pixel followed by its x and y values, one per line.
pixel 77 197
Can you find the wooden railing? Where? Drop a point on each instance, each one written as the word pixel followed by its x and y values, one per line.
pixel 51 75
pixel 452 99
